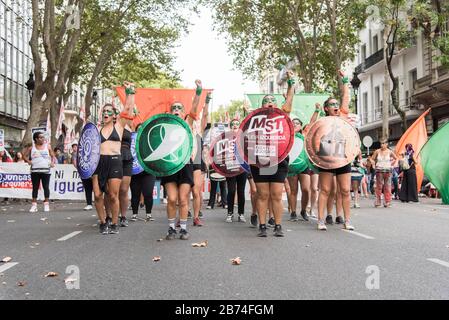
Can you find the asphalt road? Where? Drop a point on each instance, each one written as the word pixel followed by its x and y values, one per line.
pixel 387 257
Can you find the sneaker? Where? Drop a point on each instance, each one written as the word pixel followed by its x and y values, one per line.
pixel 347 226
pixel 108 221
pixel 34 207
pixel 229 218
pixel 339 220
pixel 271 222
pixel 242 218
pixel 387 205
pixel 164 201
pixel 208 207
pixel 142 205
pixel 114 229
pixel 304 215
pixel 88 208
pixel 329 220
pixel 200 214
pixel 377 204
pixel 104 228
pixel 293 216
pixel 312 214
pixel 184 234
pixel 254 220
pixel 124 222
pixel 46 207
pixel 134 217
pixel 322 226
pixel 278 231
pixel 189 215
pixel 225 206
pixel 178 224
pixel 149 217
pixel 262 232
pixel 197 222
pixel 356 205
pixel 171 234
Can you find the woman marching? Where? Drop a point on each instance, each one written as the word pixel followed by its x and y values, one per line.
pixel 382 160
pixel 109 172
pixel 40 156
pixel 179 185
pixel 272 185
pixel 409 185
pixel 333 108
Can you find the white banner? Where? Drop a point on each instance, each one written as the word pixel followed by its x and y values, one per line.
pixel 15 182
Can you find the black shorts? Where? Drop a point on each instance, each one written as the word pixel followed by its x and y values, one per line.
pixel 127 168
pixel 109 167
pixel 201 166
pixel 259 176
pixel 183 176
pixel 338 171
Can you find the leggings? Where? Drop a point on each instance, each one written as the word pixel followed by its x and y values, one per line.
pixel 36 178
pixel 240 182
pixel 88 188
pixel 213 192
pixel 142 183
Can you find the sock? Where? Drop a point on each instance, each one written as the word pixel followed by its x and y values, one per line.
pixel 183 224
pixel 171 223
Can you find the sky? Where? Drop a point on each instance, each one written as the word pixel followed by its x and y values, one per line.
pixel 203 55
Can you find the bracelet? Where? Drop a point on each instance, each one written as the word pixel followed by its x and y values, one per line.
pixel 290 82
pixel 208 99
pixel 129 91
pixel 345 80
pixel 199 90
pixel 318 110
pixel 126 116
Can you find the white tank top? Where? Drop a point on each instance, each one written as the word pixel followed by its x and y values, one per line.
pixel 40 160
pixel 383 162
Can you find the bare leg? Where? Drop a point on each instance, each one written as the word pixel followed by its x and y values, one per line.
pixel 123 195
pixel 99 200
pixel 276 190
pixel 313 192
pixel 113 191
pixel 326 180
pixel 344 182
pixel 263 193
pixel 198 179
pixel 293 198
pixel 172 201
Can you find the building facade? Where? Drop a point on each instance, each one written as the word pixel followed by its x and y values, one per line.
pixel 16 63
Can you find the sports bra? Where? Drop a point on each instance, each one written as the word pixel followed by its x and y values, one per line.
pixel 113 137
pixel 126 139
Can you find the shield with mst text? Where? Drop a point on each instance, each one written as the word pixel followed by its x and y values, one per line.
pixel 164 144
pixel 265 137
pixel 223 156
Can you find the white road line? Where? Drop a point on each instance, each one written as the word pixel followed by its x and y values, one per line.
pixel 6 266
pixel 70 235
pixel 358 234
pixel 441 262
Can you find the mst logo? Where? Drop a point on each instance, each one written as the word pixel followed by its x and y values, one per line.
pixel 267 126
pixel 225 145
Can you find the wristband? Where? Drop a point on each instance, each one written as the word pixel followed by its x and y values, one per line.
pixel 345 80
pixel 194 116
pixel 129 91
pixel 126 116
pixel 199 90
pixel 318 110
pixel 208 99
pixel 290 82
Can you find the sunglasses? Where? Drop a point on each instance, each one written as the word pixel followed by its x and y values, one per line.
pixel 296 123
pixel 268 100
pixel 334 105
pixel 108 112
pixel 177 107
pixel 235 123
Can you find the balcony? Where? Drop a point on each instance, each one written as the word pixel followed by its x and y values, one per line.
pixel 370 61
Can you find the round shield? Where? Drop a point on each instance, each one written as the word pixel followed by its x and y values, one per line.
pixel 137 168
pixel 242 162
pixel 223 157
pixel 164 144
pixel 265 137
pixel 298 156
pixel 332 143
pixel 88 151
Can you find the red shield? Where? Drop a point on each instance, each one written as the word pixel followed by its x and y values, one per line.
pixel 265 137
pixel 223 157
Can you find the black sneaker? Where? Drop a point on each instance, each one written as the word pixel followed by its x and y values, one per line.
pixel 109 221
pixel 329 220
pixel 254 220
pixel 189 215
pixel 293 216
pixel 124 222
pixel 171 234
pixel 114 229
pixel 184 234
pixel 271 223
pixel 262 231
pixel 339 220
pixel 104 228
pixel 200 214
pixel 278 231
pixel 304 215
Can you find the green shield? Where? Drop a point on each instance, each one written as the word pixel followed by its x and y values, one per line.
pixel 164 145
pixel 298 156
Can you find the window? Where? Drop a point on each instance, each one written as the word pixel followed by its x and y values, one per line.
pixel 365 108
pixel 377 104
pixel 375 44
pixel 2 94
pixel 413 76
pixel 2 20
pixel 363 53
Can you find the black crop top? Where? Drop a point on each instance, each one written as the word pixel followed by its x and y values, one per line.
pixel 126 139
pixel 113 137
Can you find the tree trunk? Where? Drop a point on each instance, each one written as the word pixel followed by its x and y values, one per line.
pixel 386 91
pixel 33 120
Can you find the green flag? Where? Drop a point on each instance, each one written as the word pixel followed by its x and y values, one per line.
pixel 434 158
pixel 303 103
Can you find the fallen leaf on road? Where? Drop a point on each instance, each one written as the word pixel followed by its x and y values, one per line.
pixel 447 246
pixel 21 284
pixel 160 240
pixel 307 245
pixel 6 259
pixel 155 259
pixel 200 245
pixel 27 294
pixel 3 283
pixel 32 247
pixel 79 225
pixel 236 261
pixel 37 243
pixel 44 219
pixel 69 218
pixel 51 275
pixel 94 215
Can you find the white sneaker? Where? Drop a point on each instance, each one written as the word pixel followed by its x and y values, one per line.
pixel 134 217
pixel 242 218
pixel 356 205
pixel 46 207
pixel 88 208
pixel 229 219
pixel 149 217
pixel 322 226
pixel 347 226
pixel 164 201
pixel 208 207
pixel 33 207
pixel 312 214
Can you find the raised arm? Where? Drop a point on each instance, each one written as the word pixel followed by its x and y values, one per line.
pixel 205 118
pixel 246 109
pixel 193 115
pixel 128 110
pixel 318 111
pixel 287 107
pixel 344 106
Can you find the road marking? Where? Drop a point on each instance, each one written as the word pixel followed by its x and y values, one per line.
pixel 358 234
pixel 441 262
pixel 7 266
pixel 70 235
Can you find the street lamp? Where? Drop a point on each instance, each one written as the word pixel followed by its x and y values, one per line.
pixel 355 83
pixel 30 84
pixel 95 98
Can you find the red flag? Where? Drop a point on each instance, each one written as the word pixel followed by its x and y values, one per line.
pixel 417 136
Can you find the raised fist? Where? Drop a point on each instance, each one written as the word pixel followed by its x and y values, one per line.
pixel 198 83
